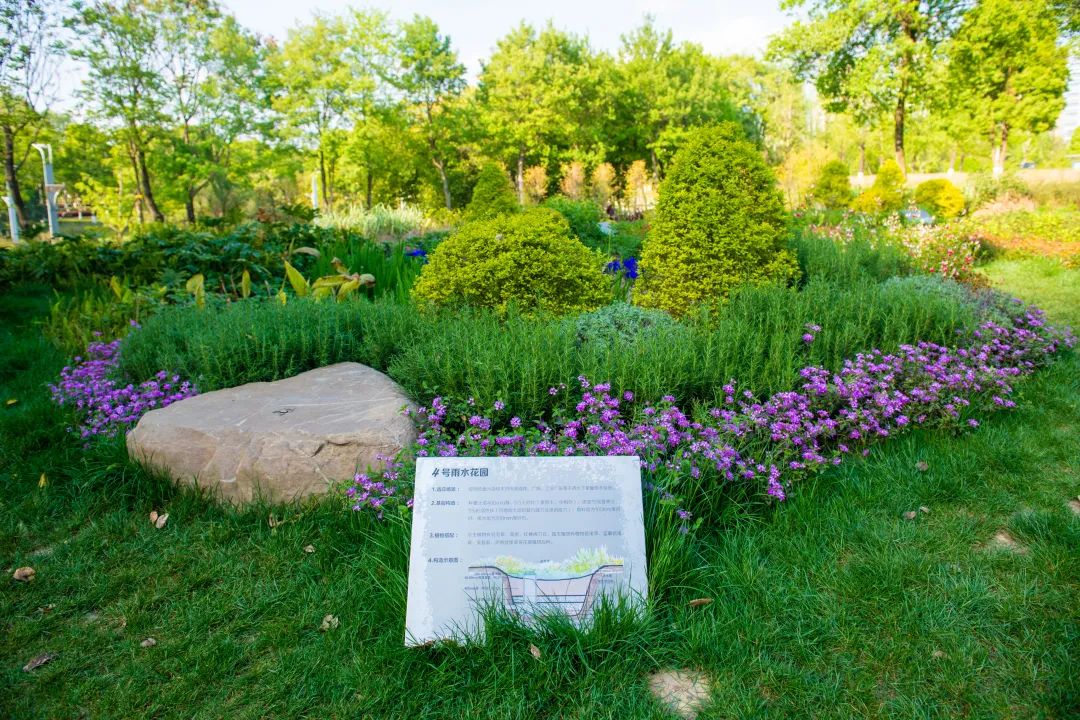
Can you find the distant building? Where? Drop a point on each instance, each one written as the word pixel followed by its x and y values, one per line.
pixel 1069 119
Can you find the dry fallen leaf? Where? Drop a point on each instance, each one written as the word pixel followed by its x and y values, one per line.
pixel 911 515
pixel 24 574
pixel 39 661
pixel 924 509
pixel 937 655
pixel 161 520
pixel 153 516
pixel 700 602
pixel 47 608
pixel 42 481
pixel 148 643
pixel 11 401
pixel 272 521
pixel 922 466
pixel 309 549
pixel 329 623
pixel 534 651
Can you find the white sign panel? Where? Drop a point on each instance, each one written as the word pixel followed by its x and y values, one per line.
pixel 525 534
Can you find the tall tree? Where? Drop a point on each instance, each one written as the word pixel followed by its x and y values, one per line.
pixel 1009 69
pixel 212 85
pixel 328 74
pixel 29 53
pixel 125 54
pixel 529 94
pixel 662 89
pixel 430 77
pixel 869 52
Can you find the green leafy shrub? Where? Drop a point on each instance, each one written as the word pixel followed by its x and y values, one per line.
pixel 492 196
pixel 1056 194
pixel 887 192
pixel 619 324
pixel 584 217
pixel 530 260
pixel 833 187
pixel 719 223
pixel 940 197
pixel 984 188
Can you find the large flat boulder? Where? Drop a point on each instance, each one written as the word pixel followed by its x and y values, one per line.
pixel 279 440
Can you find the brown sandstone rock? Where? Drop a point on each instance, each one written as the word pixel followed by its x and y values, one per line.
pixel 281 440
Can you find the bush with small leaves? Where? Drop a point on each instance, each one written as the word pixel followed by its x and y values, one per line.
pixel 833 188
pixel 584 217
pixel 940 198
pixel 529 260
pixel 887 192
pixel 719 223
pixel 492 196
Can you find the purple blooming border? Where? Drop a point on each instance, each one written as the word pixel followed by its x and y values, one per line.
pixel 104 406
pixel 765 443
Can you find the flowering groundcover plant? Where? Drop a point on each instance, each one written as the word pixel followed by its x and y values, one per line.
pixel 104 405
pixel 762 446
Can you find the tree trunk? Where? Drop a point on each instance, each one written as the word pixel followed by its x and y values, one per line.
pixel 189 206
pixel 862 158
pixel 11 177
pixel 898 123
pixel 370 185
pixel 1001 150
pixel 907 23
pixel 521 176
pixel 440 166
pixel 322 178
pixel 144 181
pixel 140 205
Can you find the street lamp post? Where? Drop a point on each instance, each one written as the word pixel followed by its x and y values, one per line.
pixel 13 216
pixel 51 188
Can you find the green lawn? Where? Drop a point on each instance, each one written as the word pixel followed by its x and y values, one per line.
pixel 833 605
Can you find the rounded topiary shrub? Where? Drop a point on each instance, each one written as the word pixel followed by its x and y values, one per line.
pixel 530 260
pixel 719 223
pixel 940 197
pixel 887 192
pixel 493 195
pixel 833 187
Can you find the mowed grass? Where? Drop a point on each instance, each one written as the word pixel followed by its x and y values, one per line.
pixel 832 605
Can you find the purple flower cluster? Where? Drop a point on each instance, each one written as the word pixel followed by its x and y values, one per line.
pixel 367 493
pixel 767 443
pixel 104 406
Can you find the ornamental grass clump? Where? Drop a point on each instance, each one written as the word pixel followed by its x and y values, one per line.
pixel 103 405
pixel 719 223
pixel 529 260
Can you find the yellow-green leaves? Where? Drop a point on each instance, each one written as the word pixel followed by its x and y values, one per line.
pixel 196 285
pixel 299 282
pixel 245 285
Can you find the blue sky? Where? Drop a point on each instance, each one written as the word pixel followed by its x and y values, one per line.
pixel 721 26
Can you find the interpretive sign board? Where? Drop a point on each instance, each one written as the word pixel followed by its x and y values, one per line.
pixel 526 534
